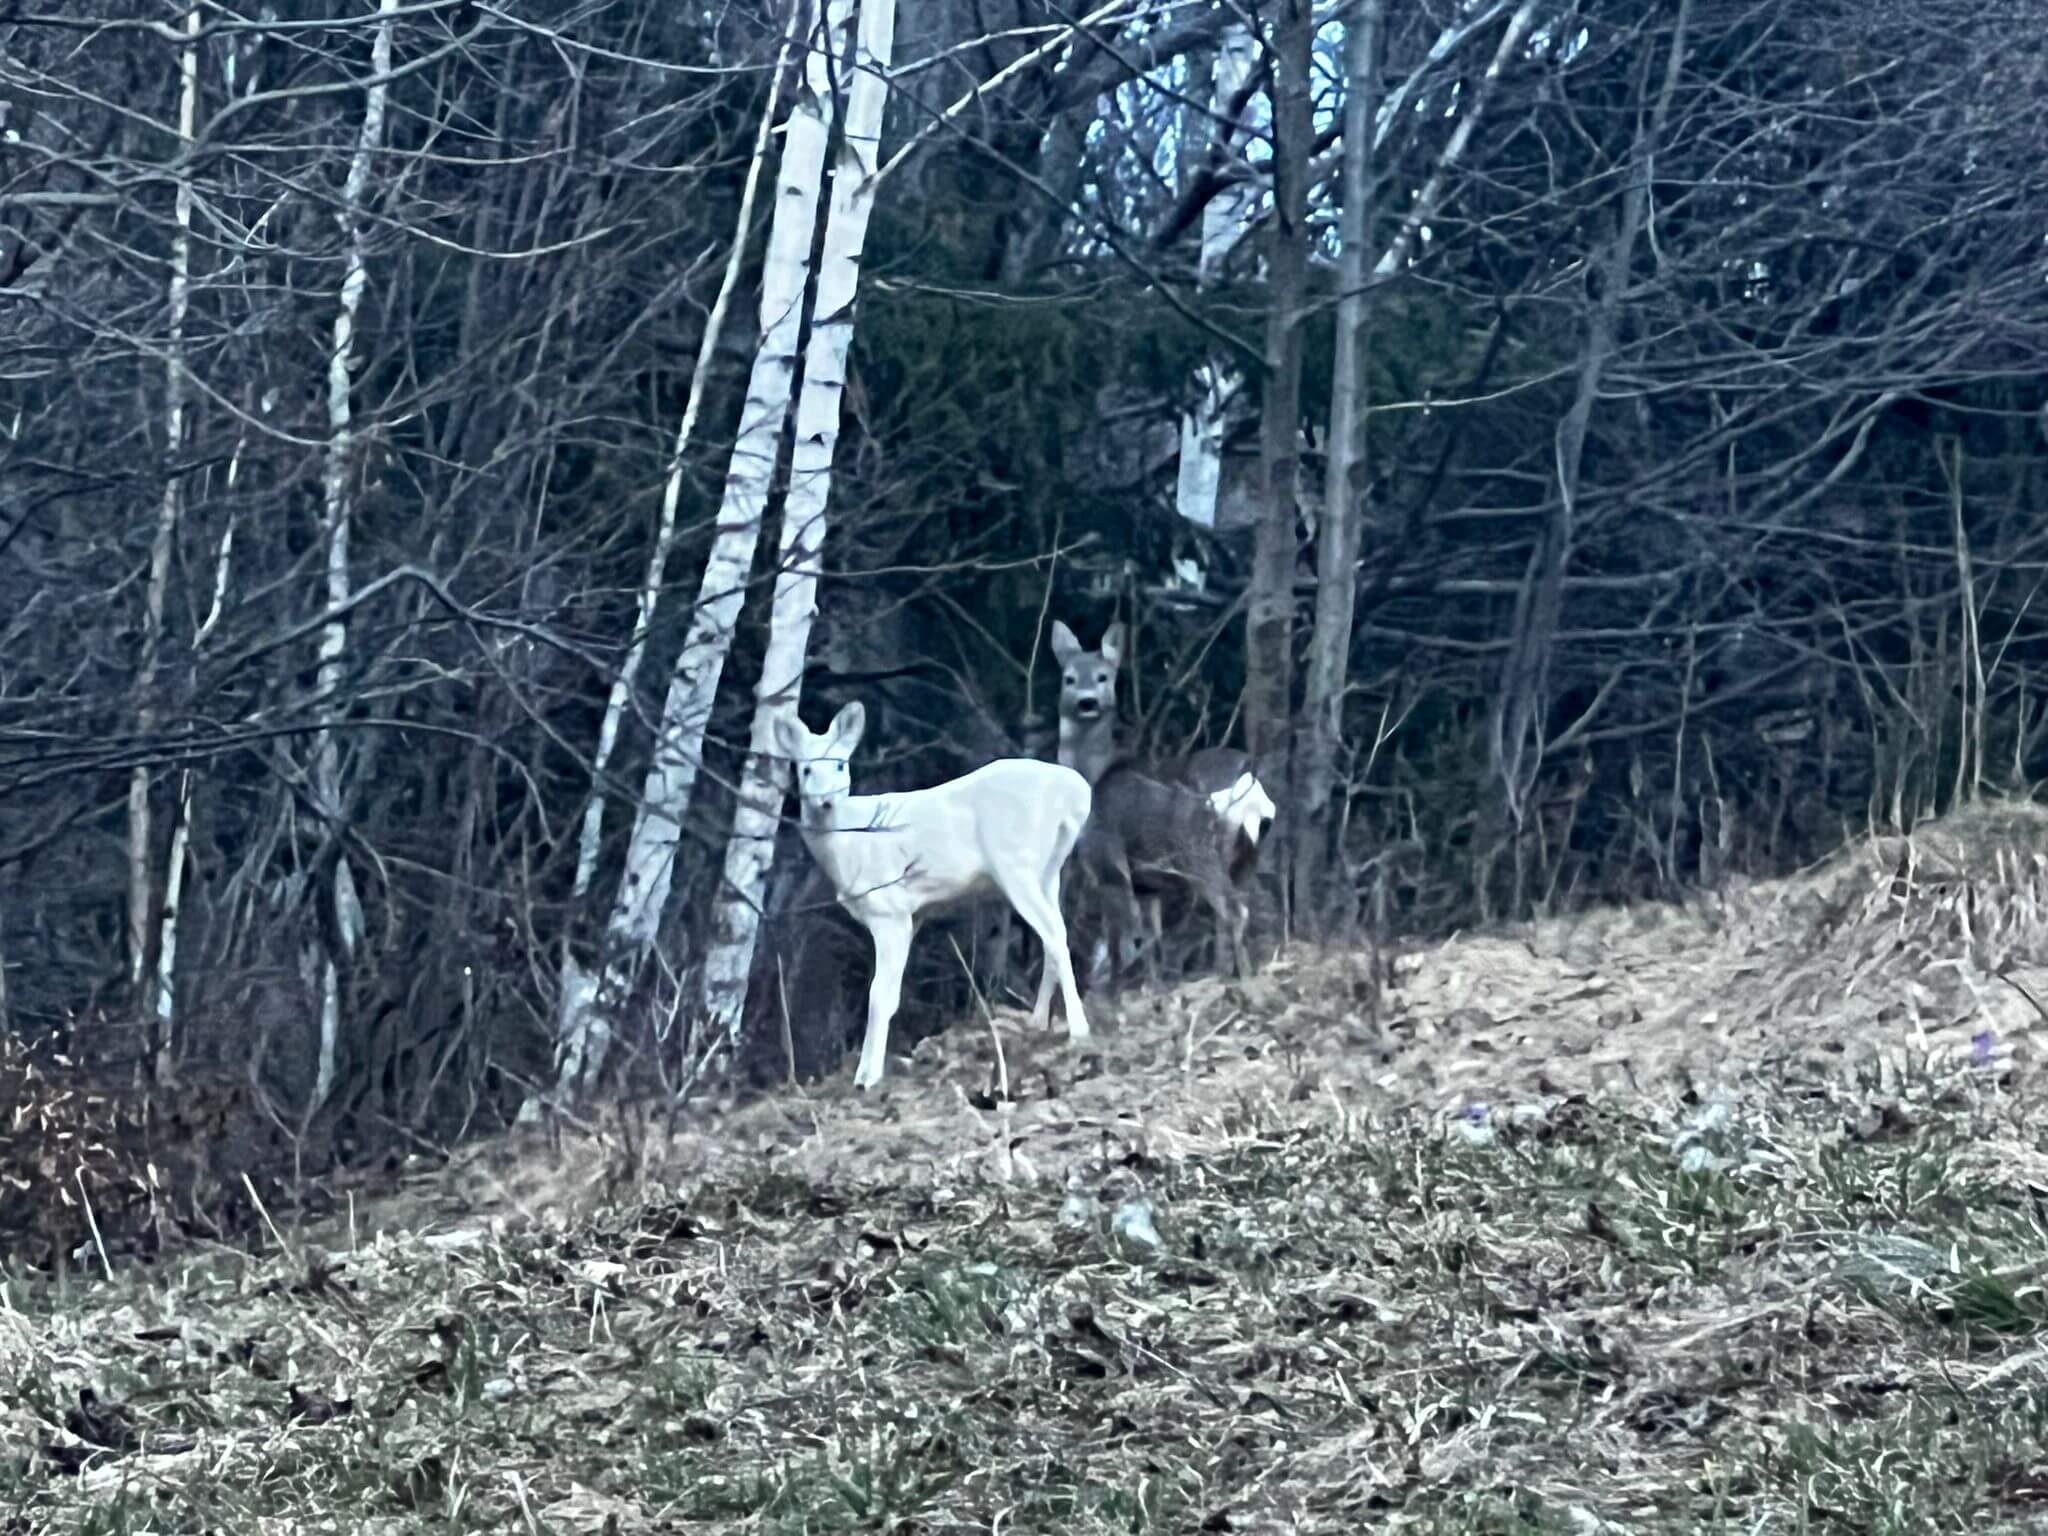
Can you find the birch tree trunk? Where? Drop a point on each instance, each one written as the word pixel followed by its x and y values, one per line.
pixel 590 1003
pixel 141 887
pixel 577 986
pixel 163 1047
pixel 1224 221
pixel 165 1018
pixel 1269 615
pixel 327 786
pixel 751 850
pixel 671 497
pixel 1337 549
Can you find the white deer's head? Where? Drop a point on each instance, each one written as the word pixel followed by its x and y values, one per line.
pixel 822 777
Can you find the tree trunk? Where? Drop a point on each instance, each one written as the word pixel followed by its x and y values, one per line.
pixel 751 850
pixel 1517 745
pixel 1036 243
pixel 1225 218
pixel 327 788
pixel 1338 546
pixel 1329 656
pixel 671 497
pixel 141 886
pixel 1269 617
pixel 590 1005
pixel 576 983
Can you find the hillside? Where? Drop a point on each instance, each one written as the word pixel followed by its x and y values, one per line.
pixel 1722 1216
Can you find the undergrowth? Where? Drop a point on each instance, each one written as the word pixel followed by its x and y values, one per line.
pixel 1765 1314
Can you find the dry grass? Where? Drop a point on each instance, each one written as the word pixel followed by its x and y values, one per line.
pixel 1724 1219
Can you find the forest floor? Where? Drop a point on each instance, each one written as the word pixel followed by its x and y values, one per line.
pixel 1724 1216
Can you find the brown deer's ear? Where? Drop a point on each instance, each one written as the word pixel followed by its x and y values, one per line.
pixel 845 731
pixel 1113 644
pixel 1064 646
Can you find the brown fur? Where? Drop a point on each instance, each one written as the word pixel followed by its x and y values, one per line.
pixel 1144 836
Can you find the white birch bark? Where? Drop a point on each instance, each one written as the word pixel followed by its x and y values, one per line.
pixel 1224 221
pixel 751 850
pixel 164 1050
pixel 169 508
pixel 578 989
pixel 327 789
pixel 589 1003
pixel 651 584
pixel 167 935
pixel 164 991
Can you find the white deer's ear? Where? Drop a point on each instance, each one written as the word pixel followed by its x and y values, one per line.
pixel 1113 644
pixel 788 735
pixel 845 730
pixel 1064 646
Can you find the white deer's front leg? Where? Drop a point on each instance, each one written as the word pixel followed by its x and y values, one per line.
pixel 892 948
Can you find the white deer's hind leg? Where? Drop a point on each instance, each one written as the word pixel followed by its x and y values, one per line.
pixel 1057 967
pixel 1048 973
pixel 892 948
pixel 1051 928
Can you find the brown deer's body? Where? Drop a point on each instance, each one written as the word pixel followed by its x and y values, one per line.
pixel 1143 837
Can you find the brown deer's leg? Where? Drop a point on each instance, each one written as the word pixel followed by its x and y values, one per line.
pixel 1130 919
pixel 1223 903
pixel 1155 935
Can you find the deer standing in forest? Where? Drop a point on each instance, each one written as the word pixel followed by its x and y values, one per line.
pixel 1152 822
pixel 1145 834
pixel 1008 827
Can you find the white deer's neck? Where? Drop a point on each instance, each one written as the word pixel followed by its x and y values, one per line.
pixel 822 822
pixel 838 814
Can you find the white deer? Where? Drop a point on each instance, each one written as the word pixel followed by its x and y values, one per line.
pixel 1007 826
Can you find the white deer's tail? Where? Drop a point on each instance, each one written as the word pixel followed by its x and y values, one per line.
pixel 1245 806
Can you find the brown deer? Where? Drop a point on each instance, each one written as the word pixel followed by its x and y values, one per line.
pixel 1144 835
pixel 1159 834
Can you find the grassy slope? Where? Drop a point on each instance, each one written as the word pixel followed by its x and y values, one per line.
pixel 1808 1301
pixel 1505 1332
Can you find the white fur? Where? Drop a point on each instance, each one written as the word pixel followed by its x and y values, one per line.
pixel 1245 806
pixel 1008 827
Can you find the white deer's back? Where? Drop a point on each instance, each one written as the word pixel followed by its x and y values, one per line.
pixel 912 849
